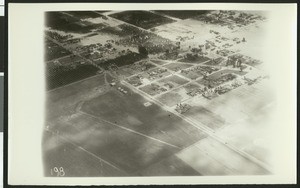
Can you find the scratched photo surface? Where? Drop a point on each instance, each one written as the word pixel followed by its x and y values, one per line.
pixel 156 93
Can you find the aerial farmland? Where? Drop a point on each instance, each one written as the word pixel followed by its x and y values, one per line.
pixel 156 93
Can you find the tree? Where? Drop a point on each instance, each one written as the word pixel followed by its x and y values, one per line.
pixel 143 51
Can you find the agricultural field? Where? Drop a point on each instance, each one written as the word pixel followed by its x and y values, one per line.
pixel 174 93
pixel 69 24
pixel 135 68
pixel 159 62
pixel 154 74
pixel 217 80
pixel 193 75
pixel 198 72
pixel 206 159
pixel 61 152
pixel 206 117
pixel 54 51
pixel 180 94
pixel 62 75
pixel 172 81
pixel 153 89
pixel 170 98
pixel 63 100
pixel 143 19
pixel 177 66
pixel 172 166
pixel 132 114
pixel 196 60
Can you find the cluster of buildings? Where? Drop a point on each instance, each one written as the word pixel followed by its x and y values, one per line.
pixel 182 39
pixel 157 89
pixel 182 108
pixel 216 82
pixel 141 66
pixel 195 92
pixel 204 70
pixel 156 73
pixel 224 52
pixel 169 85
pixel 234 61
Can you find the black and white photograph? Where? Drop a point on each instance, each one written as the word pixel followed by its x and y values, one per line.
pixel 157 92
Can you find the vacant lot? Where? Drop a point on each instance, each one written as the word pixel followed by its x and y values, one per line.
pixel 170 99
pixel 155 73
pixel 192 74
pixel 143 19
pixel 199 59
pixel 174 80
pixel 178 95
pixel 153 89
pixel 177 66
pixel 159 62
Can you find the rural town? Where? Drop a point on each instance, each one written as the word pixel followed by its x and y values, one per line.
pixel 156 93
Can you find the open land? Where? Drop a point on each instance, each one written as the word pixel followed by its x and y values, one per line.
pixel 156 93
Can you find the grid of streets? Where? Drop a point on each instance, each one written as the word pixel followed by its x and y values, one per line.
pixel 155 93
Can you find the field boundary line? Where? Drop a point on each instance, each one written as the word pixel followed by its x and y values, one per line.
pixel 130 130
pixel 88 152
pixel 204 128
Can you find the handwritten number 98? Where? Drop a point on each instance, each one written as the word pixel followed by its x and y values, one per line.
pixel 57 171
